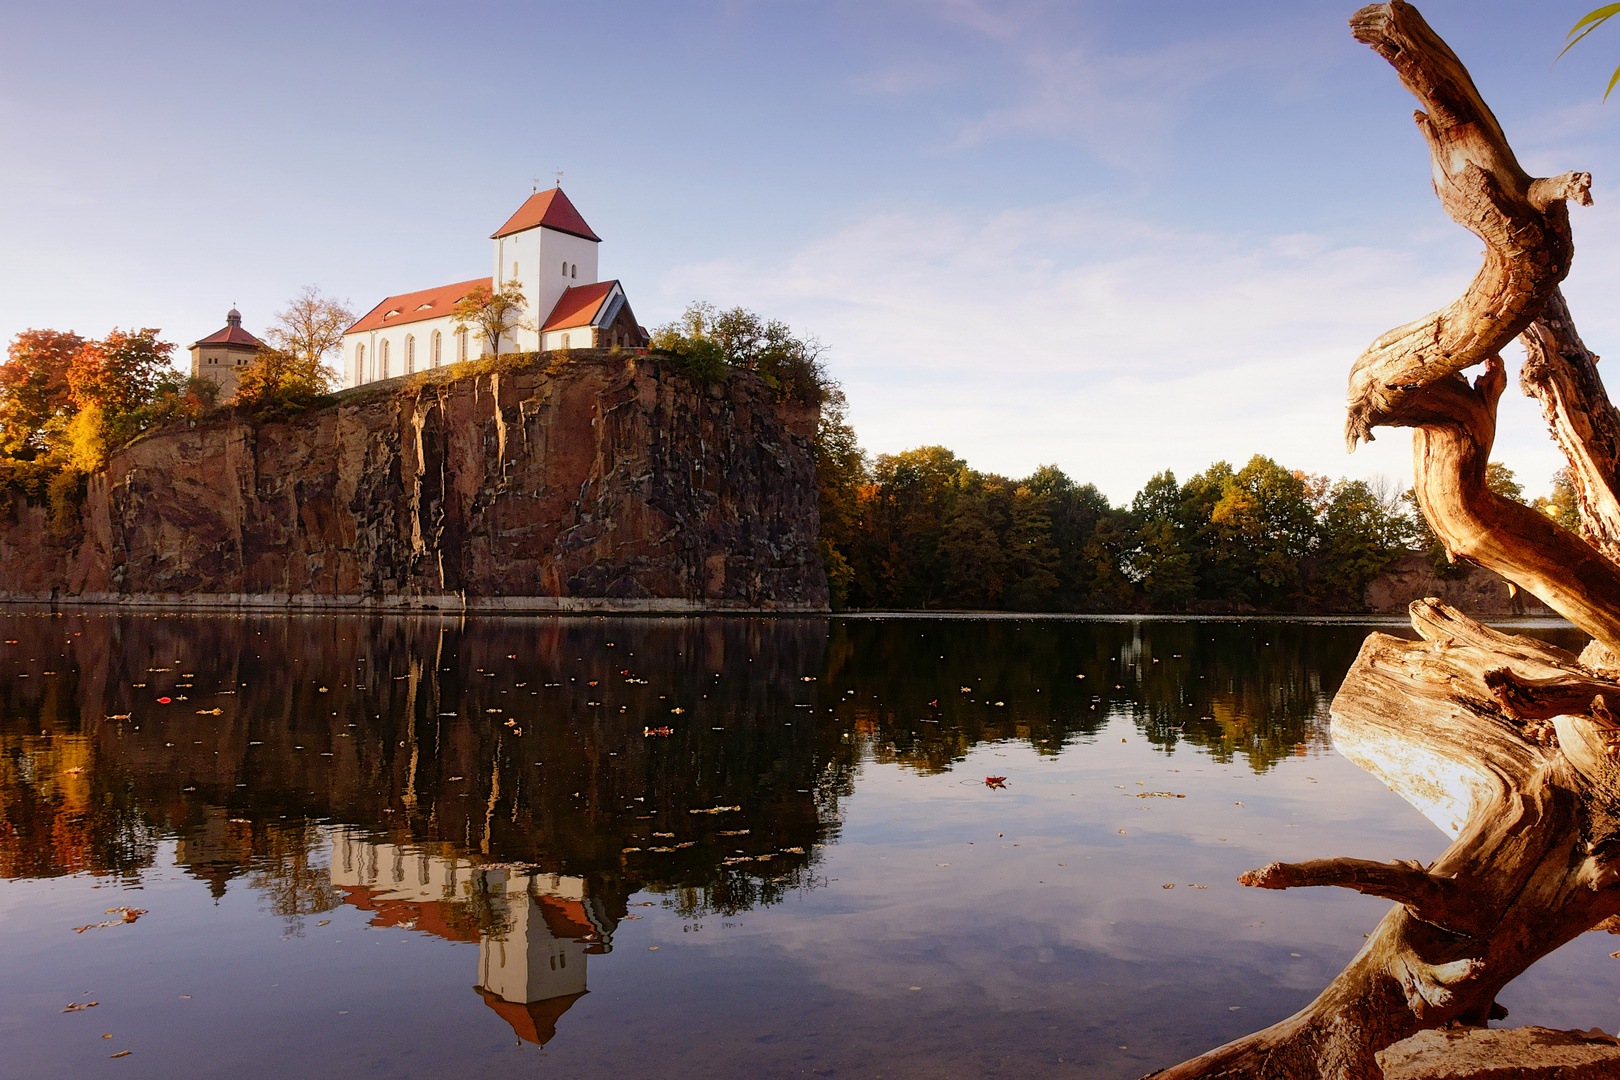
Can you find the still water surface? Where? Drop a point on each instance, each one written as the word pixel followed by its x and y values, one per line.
pixel 412 847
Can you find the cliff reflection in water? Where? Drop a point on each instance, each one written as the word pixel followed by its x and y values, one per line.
pixel 504 781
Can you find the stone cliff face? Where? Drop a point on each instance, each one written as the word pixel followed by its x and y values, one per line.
pixel 1474 590
pixel 606 482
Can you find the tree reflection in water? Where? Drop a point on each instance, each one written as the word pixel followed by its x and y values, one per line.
pixel 495 779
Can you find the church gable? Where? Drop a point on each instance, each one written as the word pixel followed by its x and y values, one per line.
pixel 551 209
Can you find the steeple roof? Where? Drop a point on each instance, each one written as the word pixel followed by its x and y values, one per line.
pixel 550 208
pixel 230 334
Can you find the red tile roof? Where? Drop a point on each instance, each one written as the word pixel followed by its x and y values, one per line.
pixel 430 917
pixel 416 306
pixel 534 1022
pixel 578 306
pixel 550 208
pixel 231 335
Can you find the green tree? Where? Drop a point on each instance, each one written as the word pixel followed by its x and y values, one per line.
pixel 903 513
pixel 1500 479
pixel 1032 557
pixel 971 544
pixel 1164 570
pixel 841 470
pixel 1563 504
pixel 1103 559
pixel 707 341
pixel 1075 510
pixel 1364 529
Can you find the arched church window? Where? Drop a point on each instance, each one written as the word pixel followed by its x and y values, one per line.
pixel 461 345
pixel 565 268
pixel 359 364
pixel 383 359
pixel 574 271
pixel 514 269
pixel 434 352
pixel 410 353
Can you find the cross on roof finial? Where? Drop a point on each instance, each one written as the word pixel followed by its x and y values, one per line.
pixel 559 177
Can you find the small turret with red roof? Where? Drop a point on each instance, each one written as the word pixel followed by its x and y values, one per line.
pixel 220 355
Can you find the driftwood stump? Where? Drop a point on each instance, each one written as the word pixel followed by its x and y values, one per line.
pixel 1508 744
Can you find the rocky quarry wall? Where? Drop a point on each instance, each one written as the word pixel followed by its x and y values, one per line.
pixel 606 482
pixel 1468 588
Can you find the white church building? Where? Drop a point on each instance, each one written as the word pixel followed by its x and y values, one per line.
pixel 549 252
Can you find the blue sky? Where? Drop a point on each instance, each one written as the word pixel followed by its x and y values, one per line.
pixel 1114 236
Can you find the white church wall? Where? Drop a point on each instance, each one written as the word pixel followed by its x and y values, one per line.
pixel 359 369
pixel 539 255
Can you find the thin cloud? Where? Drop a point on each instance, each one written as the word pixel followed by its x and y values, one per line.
pixel 1121 106
pixel 1079 333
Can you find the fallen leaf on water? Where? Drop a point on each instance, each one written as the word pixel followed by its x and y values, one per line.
pixel 1159 795
pixel 210 712
pixel 324 922
pixel 632 916
pixel 161 701
pixel 1170 886
pixel 78 1006
pixel 995 781
pixel 715 810
pixel 121 1053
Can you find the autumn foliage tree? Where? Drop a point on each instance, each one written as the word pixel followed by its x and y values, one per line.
pixel 119 385
pixel 290 372
pixel 492 313
pixel 35 401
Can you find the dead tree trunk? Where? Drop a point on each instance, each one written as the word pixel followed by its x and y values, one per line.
pixel 1506 743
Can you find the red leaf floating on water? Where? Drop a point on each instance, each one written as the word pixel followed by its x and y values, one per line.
pixel 995 781
pixel 164 700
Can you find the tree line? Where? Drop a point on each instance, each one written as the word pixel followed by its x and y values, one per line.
pixel 922 529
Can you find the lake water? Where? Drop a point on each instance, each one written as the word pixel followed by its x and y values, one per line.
pixel 418 846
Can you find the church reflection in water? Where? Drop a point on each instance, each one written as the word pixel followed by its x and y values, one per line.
pixel 534 932
pixel 515 782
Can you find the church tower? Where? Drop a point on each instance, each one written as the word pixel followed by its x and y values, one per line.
pixel 548 248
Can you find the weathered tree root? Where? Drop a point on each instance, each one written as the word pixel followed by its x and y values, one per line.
pixel 1532 865
pixel 1561 372
pixel 1508 744
pixel 1523 221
